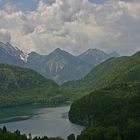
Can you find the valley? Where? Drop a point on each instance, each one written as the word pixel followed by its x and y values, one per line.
pixel 43 121
pixel 105 101
pixel 69 69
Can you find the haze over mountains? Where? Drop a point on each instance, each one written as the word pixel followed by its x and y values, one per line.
pixel 96 56
pixel 59 65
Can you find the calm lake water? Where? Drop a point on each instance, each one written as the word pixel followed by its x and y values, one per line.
pixel 39 121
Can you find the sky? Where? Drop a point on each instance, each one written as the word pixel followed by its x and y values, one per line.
pixel 72 25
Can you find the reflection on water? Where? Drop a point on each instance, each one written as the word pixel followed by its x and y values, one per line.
pixel 40 121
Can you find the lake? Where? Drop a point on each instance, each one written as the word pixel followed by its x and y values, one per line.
pixel 39 121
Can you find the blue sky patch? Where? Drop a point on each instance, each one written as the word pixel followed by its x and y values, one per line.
pixel 30 5
pixel 25 5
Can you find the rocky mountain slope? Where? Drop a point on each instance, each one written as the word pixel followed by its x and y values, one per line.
pixel 96 56
pixel 59 65
pixel 11 55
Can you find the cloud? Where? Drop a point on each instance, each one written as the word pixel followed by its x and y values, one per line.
pixel 74 26
pixel 4 36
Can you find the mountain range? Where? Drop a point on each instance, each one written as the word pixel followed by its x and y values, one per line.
pixel 110 107
pixel 96 56
pixel 113 70
pixel 59 65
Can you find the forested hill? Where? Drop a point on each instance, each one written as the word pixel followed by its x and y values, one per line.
pixel 112 112
pixel 13 78
pixel 109 72
pixel 23 86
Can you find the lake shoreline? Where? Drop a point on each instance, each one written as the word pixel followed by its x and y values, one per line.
pixel 15 119
pixel 40 121
pixel 22 118
pixel 37 104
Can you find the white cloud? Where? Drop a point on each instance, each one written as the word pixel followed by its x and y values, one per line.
pixel 75 26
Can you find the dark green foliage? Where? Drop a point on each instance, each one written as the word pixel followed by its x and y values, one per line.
pixel 4 129
pixel 57 138
pixel 14 78
pixel 6 135
pixel 111 101
pixel 24 86
pixel 71 137
pixel 44 138
pixel 111 112
pixel 110 133
pixel 100 133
